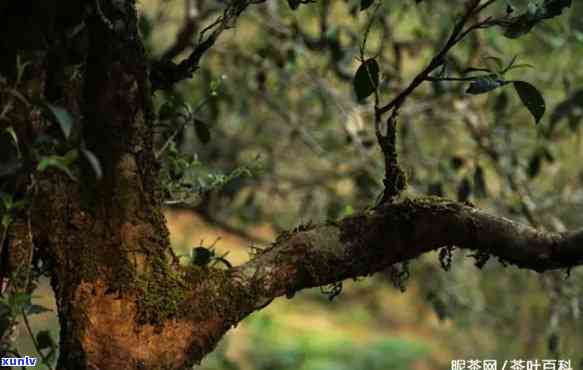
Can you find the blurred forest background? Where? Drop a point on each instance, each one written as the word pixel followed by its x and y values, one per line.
pixel 269 135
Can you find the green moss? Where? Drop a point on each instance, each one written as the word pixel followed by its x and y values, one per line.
pixel 161 296
pixel 127 193
pixel 165 293
pixel 434 202
pixel 431 199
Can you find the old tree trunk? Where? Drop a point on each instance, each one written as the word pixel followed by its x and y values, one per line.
pixel 123 301
pixel 106 242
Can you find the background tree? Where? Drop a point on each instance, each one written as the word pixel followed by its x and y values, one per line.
pixel 88 117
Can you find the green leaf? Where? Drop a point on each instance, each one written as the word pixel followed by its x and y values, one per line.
pixel 36 309
pixel 20 68
pixel 484 84
pixel 456 162
pixel 7 200
pixel 10 131
pixel 480 182
pixel 201 256
pixel 20 204
pixel 569 109
pixel 70 157
pixel 19 301
pixel 293 4
pixel 366 79
pixel 547 154
pixel 167 111
pixel 517 66
pixel 44 340
pixel 365 4
pixel 536 13
pixel 202 131
pixel 435 189
pixel 347 211
pixel 63 118
pixel 60 162
pixel 464 190
pixel 531 98
pixel 93 162
pixel 146 26
pixel 534 165
pixel 6 220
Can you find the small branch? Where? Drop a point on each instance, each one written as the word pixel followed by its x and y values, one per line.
pixel 485 5
pixel 102 16
pixel 455 79
pixel 186 120
pixel 165 73
pixel 456 36
pixel 184 37
pixel 394 181
pixel 2 241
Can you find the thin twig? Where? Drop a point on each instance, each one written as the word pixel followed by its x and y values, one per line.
pixel 459 79
pixel 34 341
pixel 456 36
pixel 180 128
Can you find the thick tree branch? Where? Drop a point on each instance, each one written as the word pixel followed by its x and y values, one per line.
pixel 362 245
pixel 371 242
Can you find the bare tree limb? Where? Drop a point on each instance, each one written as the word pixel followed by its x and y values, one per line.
pixel 165 73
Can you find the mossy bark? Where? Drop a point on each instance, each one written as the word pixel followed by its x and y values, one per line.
pixel 123 302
